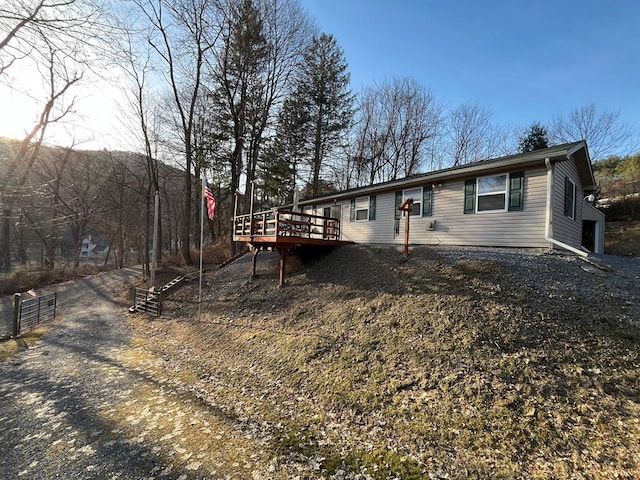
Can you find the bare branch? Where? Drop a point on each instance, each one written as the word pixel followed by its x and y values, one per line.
pixel 604 132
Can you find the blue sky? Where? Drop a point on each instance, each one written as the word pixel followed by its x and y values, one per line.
pixel 526 60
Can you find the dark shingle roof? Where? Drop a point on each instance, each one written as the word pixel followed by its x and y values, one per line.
pixel 577 150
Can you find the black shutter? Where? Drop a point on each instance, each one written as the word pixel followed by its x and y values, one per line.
pixel 372 207
pixel 516 191
pixel 427 196
pixel 569 198
pixel 470 196
pixel 352 212
pixel 567 194
pixel 398 213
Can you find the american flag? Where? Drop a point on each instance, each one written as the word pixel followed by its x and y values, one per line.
pixel 211 201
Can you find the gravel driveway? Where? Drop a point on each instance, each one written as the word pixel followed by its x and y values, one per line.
pixel 73 406
pixel 55 397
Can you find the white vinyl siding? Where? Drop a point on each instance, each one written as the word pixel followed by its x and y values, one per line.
pixel 563 228
pixel 523 228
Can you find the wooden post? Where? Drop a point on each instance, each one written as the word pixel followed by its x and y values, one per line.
pixel 253 185
pixel 406 208
pixel 16 315
pixel 254 261
pixel 283 260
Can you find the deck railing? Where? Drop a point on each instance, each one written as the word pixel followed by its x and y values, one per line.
pixel 286 223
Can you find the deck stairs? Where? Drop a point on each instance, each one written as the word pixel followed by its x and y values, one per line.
pixel 150 301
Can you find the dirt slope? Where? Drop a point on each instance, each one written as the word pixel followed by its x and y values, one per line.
pixel 453 363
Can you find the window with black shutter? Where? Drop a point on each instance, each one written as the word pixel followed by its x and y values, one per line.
pixel 569 198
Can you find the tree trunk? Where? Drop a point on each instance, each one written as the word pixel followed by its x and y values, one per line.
pixel 106 258
pixel 317 154
pixel 148 229
pixel 22 249
pixel 236 168
pixel 186 226
pixel 5 240
pixel 159 252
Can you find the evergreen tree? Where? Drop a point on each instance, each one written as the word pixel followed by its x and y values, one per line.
pixel 326 103
pixel 240 62
pixel 534 138
pixel 288 148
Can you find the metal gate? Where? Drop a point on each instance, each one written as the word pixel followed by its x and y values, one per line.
pixel 34 311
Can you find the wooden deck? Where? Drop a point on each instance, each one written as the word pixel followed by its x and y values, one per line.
pixel 283 230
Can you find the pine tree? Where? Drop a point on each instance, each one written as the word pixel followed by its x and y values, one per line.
pixel 535 138
pixel 322 93
pixel 284 153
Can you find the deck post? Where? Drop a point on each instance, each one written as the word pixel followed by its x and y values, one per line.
pixel 283 261
pixel 254 260
pixel 253 186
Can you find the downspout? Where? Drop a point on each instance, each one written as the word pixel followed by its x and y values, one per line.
pixel 547 226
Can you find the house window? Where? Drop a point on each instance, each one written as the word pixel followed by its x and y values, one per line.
pixel 416 195
pixel 495 193
pixel 422 201
pixel 569 198
pixel 492 193
pixel 363 209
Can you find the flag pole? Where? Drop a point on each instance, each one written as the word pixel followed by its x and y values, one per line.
pixel 202 206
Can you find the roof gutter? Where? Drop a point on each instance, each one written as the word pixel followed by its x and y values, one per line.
pixel 547 226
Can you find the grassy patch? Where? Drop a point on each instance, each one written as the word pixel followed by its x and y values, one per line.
pixel 422 367
pixel 623 238
pixel 10 347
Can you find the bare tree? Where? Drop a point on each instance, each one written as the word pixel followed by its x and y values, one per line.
pixel 31 28
pixel 471 135
pixel 57 37
pixel 21 160
pixel 287 31
pixel 468 130
pixel 260 49
pixel 604 132
pixel 395 123
pixel 133 56
pixel 183 34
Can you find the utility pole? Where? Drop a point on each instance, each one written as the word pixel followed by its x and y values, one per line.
pixel 154 258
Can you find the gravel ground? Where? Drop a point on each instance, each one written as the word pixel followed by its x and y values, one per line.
pixel 55 396
pixel 88 401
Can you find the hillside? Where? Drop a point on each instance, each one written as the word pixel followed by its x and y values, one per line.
pixel 453 363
